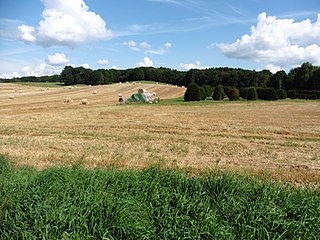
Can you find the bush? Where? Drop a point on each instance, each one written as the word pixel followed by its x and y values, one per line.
pixel 209 90
pixel 192 93
pixel 267 93
pixel 244 92
pixel 218 94
pixel 234 94
pixel 203 93
pixel 304 94
pixel 292 94
pixel 282 94
pixel 252 94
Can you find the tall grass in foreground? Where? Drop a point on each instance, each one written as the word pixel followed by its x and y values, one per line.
pixel 76 203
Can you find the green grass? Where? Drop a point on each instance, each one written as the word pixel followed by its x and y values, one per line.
pixel 209 101
pixel 75 203
pixel 42 84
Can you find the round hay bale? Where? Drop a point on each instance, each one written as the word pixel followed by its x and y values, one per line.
pixel 120 95
pixel 12 96
pixel 70 87
pixel 84 101
pixel 20 91
pixel 95 92
pixel 68 100
pixel 141 90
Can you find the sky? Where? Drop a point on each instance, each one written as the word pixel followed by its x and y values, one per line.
pixel 41 37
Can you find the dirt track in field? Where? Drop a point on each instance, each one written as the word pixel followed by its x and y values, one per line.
pixel 277 139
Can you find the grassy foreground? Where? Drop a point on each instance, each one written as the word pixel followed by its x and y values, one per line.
pixel 76 203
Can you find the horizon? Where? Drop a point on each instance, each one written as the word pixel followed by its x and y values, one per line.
pixel 41 37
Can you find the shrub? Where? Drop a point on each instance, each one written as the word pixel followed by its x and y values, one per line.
pixel 209 90
pixel 234 94
pixel 292 94
pixel 192 93
pixel 252 94
pixel 203 93
pixel 282 94
pixel 244 92
pixel 267 93
pixel 218 94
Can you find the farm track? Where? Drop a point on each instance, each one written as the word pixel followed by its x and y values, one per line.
pixel 276 139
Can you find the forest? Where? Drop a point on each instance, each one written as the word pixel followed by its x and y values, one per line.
pixel 305 78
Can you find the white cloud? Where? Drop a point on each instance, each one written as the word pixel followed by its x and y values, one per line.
pixel 188 66
pixel 26 34
pixel 162 50
pixel 281 42
pixel 85 65
pixel 147 62
pixel 66 23
pixel 167 45
pixel 145 45
pixel 130 43
pixel 9 76
pixel 103 62
pixel 58 59
pixel 272 68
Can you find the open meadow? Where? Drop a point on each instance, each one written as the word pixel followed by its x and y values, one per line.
pixel 280 139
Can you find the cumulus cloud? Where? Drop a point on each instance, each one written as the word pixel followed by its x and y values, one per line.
pixel 9 76
pixel 26 34
pixel 130 43
pixel 65 23
pixel 58 59
pixel 103 62
pixel 188 66
pixel 147 62
pixel 85 65
pixel 281 42
pixel 145 45
pixel 272 68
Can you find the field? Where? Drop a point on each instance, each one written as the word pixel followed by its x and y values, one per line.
pixel 172 170
pixel 277 139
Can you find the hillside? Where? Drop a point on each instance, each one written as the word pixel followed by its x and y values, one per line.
pixel 37 98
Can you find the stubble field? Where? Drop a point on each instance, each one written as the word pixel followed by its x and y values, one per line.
pixel 276 139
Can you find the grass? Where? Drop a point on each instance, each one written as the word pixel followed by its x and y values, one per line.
pixel 42 84
pixel 76 203
pixel 209 101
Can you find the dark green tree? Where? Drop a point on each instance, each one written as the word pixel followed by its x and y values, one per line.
pixel 278 80
pixel 192 93
pixel 218 94
pixel 66 76
pixel 314 81
pixel 252 94
pixel 267 94
pixel 203 93
pixel 282 94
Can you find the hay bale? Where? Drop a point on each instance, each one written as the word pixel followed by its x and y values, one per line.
pixel 84 101
pixel 12 96
pixel 70 87
pixel 95 92
pixel 20 91
pixel 120 95
pixel 141 90
pixel 68 100
pixel 134 83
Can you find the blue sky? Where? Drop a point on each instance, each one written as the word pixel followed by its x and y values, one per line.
pixel 40 37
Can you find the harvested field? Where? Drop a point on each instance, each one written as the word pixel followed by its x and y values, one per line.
pixel 280 139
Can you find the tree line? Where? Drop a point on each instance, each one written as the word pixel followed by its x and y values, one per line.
pixel 299 79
